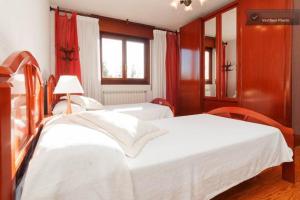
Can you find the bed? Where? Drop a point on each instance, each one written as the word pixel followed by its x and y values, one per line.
pixel 198 157
pixel 157 109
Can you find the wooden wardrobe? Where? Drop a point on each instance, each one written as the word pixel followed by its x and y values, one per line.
pixel 264 60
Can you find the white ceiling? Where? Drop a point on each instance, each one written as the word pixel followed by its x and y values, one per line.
pixel 159 13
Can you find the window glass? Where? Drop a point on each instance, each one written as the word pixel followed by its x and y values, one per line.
pixel 210 34
pixel 111 58
pixel 135 57
pixel 124 59
pixel 207 65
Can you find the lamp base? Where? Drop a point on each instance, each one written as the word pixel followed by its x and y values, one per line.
pixel 69 108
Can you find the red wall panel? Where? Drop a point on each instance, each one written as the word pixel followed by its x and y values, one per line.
pixel 296 73
pixel 266 63
pixel 189 71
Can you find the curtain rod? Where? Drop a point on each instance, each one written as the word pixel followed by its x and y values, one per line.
pixel 99 17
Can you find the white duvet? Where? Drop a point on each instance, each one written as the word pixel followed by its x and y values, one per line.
pixel 72 162
pixel 200 157
pixel 143 111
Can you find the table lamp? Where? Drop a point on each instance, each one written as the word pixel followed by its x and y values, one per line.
pixel 68 85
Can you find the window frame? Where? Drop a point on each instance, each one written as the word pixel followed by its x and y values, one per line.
pixel 124 80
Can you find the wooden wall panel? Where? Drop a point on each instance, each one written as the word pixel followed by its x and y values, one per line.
pixel 266 63
pixel 296 73
pixel 189 71
pixel 125 28
pixel 210 104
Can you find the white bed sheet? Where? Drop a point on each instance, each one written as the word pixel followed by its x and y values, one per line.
pixel 200 157
pixel 73 162
pixel 143 111
pixel 204 155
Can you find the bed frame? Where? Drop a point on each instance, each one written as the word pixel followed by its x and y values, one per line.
pixel 21 119
pixel 164 102
pixel 288 169
pixel 52 99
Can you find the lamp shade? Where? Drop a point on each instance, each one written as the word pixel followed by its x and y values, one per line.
pixel 68 85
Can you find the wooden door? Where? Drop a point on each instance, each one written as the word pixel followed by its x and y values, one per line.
pixel 266 63
pixel 189 71
pixel 222 27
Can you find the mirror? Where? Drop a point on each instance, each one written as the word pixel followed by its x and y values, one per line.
pixel 210 57
pixel 229 61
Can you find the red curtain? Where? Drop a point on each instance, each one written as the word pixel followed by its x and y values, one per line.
pixel 66 45
pixel 172 59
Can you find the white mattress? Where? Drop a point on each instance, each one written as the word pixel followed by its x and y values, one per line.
pixel 200 157
pixel 204 155
pixel 143 111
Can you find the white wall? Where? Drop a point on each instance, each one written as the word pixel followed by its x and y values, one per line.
pixel 25 25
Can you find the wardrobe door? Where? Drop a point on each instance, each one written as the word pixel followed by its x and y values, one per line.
pixel 210 57
pixel 266 63
pixel 229 58
pixel 220 58
pixel 189 70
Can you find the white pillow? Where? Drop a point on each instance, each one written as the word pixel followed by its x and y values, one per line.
pixel 131 133
pixel 85 102
pixel 61 108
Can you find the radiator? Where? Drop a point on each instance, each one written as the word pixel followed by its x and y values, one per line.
pixel 124 97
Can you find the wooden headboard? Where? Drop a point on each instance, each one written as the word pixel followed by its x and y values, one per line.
pixel 51 98
pixel 21 116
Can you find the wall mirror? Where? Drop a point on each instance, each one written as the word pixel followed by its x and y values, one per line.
pixel 210 57
pixel 229 54
pixel 220 55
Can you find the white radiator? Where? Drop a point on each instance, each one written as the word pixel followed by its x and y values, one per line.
pixel 113 95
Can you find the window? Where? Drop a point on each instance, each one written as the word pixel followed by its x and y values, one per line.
pixel 124 59
pixel 208 65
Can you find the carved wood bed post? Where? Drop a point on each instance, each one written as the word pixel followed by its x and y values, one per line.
pixel 289 170
pixel 6 174
pixel 51 98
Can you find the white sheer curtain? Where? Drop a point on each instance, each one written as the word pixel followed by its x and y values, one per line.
pixel 89 44
pixel 158 64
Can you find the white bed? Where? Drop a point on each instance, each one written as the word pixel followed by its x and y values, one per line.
pixel 143 111
pixel 200 156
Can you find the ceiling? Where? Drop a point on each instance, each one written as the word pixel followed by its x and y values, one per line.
pixel 159 13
